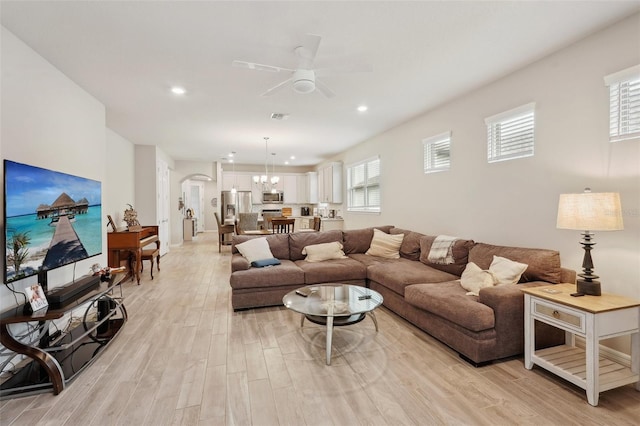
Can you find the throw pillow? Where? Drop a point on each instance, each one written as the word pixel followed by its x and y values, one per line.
pixel 474 278
pixel 506 271
pixel 324 251
pixel 265 263
pixel 255 249
pixel 385 245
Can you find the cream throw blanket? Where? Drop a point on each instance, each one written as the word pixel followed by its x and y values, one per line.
pixel 441 251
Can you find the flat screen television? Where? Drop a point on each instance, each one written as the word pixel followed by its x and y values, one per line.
pixel 52 219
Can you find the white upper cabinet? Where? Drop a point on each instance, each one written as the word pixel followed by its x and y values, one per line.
pixel 330 183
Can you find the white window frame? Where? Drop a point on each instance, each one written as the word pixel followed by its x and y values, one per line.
pixel 624 104
pixel 365 186
pixel 435 147
pixel 511 134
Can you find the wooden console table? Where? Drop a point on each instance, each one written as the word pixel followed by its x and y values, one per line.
pixel 593 318
pixel 55 361
pixel 127 246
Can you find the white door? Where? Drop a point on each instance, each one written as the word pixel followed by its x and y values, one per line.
pixel 162 209
pixel 196 202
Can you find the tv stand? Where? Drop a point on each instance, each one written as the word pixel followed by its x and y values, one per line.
pixel 57 359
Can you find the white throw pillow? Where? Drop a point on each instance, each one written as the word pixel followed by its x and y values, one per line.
pixel 507 271
pixel 324 251
pixel 385 245
pixel 255 249
pixel 473 279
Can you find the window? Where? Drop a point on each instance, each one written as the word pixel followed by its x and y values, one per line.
pixel 624 104
pixel 437 153
pixel 510 134
pixel 363 186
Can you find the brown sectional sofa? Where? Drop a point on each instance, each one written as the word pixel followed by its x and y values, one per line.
pixel 480 328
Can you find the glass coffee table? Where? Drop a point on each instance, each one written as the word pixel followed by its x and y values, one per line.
pixel 333 305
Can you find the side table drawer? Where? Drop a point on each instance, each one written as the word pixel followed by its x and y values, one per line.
pixel 561 315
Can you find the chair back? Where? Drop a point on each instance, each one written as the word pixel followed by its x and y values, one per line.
pixel 267 216
pixel 283 226
pixel 217 219
pixel 247 222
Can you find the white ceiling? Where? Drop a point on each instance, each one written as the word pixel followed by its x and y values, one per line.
pixel 128 54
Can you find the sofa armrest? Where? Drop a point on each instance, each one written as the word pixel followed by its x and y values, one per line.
pixel 239 263
pixel 507 302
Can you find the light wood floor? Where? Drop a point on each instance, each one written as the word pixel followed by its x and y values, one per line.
pixel 186 358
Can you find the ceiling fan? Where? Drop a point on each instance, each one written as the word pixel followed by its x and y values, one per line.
pixel 304 78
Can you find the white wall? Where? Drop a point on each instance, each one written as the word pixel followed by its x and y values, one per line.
pixel 50 122
pixel 118 188
pixel 515 202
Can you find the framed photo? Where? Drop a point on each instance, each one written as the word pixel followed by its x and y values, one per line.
pixel 36 297
pixel 111 223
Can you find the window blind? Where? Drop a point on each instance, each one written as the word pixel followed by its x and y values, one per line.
pixel 624 104
pixel 511 134
pixel 437 153
pixel 363 186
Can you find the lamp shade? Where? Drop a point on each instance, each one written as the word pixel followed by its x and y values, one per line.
pixel 590 211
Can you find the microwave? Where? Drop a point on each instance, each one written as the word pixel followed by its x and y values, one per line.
pixel 272 197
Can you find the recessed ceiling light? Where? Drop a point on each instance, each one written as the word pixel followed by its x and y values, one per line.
pixel 363 108
pixel 232 154
pixel 286 163
pixel 293 157
pixel 176 90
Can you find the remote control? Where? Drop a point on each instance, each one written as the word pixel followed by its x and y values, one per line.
pixel 365 297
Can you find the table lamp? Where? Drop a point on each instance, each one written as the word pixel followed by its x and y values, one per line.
pixel 589 211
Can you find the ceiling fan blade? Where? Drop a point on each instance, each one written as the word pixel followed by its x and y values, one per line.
pixel 310 46
pixel 277 87
pixel 259 67
pixel 322 88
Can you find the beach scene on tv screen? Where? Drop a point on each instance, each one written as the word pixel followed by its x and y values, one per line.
pixel 52 219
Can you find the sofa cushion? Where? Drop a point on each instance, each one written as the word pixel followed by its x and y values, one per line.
pixel 299 240
pixel 449 301
pixel 359 240
pixel 544 265
pixel 367 260
pixel 287 273
pixel 255 249
pixel 385 245
pixel 460 252
pixel 324 251
pixel 278 243
pixel 410 248
pixel 400 273
pixel 332 271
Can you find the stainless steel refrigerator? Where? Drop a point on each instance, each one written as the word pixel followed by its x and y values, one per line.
pixel 234 204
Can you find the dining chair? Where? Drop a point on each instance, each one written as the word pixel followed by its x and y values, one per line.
pixel 267 216
pixel 282 226
pixel 246 222
pixel 223 230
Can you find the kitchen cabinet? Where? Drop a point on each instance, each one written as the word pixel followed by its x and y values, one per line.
pixel 330 183
pixel 290 189
pixel 242 181
pixel 331 224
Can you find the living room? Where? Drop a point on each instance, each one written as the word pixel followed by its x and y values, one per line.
pixel 48 120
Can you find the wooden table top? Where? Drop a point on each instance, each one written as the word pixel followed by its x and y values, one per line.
pixel 561 293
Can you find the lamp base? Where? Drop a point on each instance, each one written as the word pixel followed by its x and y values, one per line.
pixel 589 287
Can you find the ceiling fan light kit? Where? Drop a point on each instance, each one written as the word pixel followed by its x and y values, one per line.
pixel 304 81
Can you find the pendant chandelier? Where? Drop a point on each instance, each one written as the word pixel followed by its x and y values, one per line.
pixel 268 182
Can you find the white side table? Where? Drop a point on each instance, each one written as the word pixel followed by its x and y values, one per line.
pixel 593 318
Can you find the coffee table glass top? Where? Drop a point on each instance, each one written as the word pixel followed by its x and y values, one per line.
pixel 335 300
